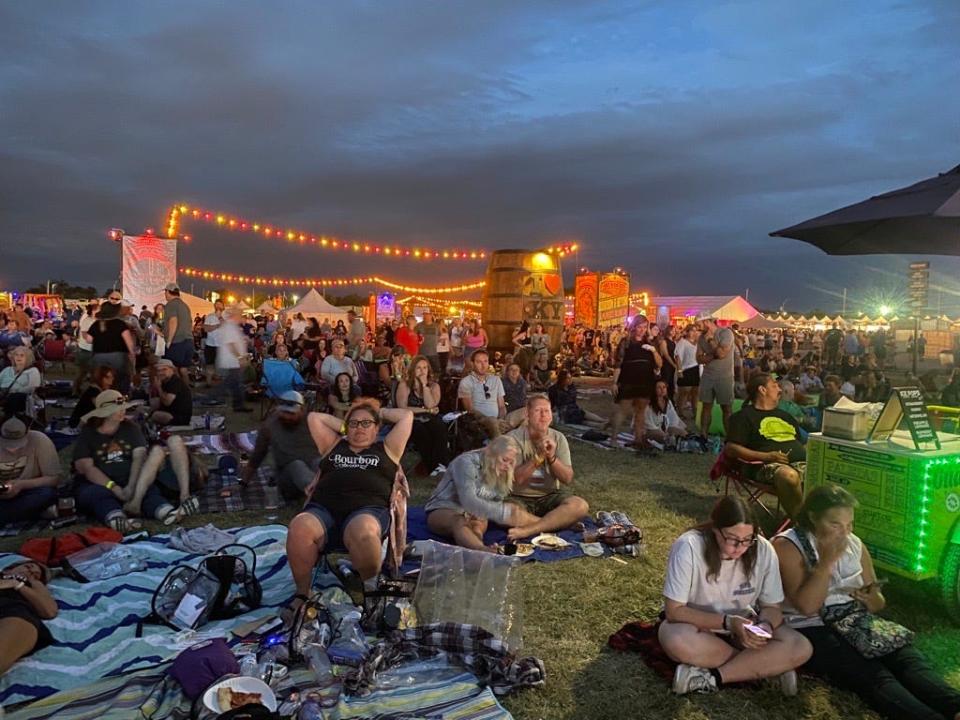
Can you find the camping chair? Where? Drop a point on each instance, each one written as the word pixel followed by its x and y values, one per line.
pixel 54 351
pixel 734 475
pixel 279 376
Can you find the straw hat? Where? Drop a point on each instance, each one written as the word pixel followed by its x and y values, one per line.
pixel 107 403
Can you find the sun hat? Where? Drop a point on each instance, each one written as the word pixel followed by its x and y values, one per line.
pixel 106 404
pixel 13 434
pixel 290 401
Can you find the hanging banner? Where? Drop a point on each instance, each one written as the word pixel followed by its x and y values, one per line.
pixel 386 307
pixel 614 299
pixel 585 299
pixel 149 263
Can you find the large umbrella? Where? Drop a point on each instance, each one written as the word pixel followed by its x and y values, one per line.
pixel 923 219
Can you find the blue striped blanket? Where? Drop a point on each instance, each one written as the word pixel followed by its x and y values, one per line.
pixel 95 630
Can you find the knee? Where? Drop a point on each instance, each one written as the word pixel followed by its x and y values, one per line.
pixel 797 646
pixel 675 639
pixel 364 530
pixel 787 476
pixel 304 529
pixel 579 505
pixel 175 444
pixel 156 454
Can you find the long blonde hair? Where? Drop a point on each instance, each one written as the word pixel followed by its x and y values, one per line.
pixel 496 449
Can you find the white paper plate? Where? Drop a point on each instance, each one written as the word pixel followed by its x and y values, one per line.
pixel 241 684
pixel 538 541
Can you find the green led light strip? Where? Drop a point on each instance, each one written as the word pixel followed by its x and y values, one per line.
pixel 923 526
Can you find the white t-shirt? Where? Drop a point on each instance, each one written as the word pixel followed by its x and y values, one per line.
pixel 455 336
pixel 85 322
pixel 472 387
pixel 297 328
pixel 232 341
pixel 212 335
pixel 731 592
pixel 687 352
pixel 653 420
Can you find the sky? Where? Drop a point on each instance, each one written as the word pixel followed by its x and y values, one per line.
pixel 667 137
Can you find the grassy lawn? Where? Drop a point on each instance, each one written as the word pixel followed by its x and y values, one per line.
pixel 572 607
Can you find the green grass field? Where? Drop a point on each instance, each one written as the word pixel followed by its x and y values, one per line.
pixel 570 608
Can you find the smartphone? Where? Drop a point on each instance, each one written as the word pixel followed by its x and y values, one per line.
pixel 757 630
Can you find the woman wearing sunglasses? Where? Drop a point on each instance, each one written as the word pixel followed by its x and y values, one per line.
pixel 25 603
pixel 722 619
pixel 349 501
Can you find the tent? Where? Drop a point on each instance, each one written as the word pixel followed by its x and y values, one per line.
pixel 759 322
pixel 267 307
pixel 731 308
pixel 313 304
pixel 197 305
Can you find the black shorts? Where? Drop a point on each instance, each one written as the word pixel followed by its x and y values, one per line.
pixel 689 377
pixel 209 355
pixel 642 391
pixel 180 353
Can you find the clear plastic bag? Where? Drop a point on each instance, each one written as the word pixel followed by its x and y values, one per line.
pixel 103 560
pixel 470 587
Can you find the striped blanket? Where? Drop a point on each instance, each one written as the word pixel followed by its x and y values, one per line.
pixel 95 630
pixel 222 443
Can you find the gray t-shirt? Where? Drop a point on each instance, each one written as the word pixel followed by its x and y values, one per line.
pixel 485 402
pixel 39 458
pixel 177 308
pixel 462 489
pixel 429 333
pixel 718 368
pixel 542 482
pixel 732 591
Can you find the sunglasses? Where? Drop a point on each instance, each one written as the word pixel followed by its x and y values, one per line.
pixel 354 424
pixel 486 391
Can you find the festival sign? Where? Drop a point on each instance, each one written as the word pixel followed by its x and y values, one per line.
pixel 386 307
pixel 585 299
pixel 614 299
pixel 149 263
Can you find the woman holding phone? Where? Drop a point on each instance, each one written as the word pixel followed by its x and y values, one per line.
pixel 828 576
pixel 722 595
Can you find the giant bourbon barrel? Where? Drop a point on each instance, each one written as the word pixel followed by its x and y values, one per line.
pixel 522 285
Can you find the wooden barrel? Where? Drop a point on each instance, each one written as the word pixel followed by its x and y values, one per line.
pixel 522 285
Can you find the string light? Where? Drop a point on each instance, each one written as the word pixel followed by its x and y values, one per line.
pixel 179 213
pixel 326 282
pixel 439 302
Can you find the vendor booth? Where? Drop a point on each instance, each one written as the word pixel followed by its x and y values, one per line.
pixel 906 476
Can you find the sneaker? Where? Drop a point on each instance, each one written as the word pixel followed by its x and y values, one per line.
pixel 690 678
pixel 788 683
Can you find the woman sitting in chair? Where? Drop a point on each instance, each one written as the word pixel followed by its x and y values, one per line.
pixel 473 492
pixel 722 594
pixel 419 393
pixel 349 502
pixel 18 382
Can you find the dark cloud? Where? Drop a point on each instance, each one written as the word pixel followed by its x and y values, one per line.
pixel 668 137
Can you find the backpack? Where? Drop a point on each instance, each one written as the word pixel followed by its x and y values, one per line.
pixel 51 551
pixel 221 586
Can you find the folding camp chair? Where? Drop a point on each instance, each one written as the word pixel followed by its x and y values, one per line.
pixel 279 376
pixel 54 351
pixel 734 474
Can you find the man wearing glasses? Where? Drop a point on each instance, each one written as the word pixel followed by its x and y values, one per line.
pixel 481 393
pixel 768 438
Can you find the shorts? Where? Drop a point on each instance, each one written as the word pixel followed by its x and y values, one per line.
pixel 764 474
pixel 180 353
pixel 209 355
pixel 689 377
pixel 540 506
pixel 333 525
pixel 643 391
pixel 713 390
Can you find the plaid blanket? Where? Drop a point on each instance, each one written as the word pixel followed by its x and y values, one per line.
pixel 220 495
pixel 221 443
pixel 26 527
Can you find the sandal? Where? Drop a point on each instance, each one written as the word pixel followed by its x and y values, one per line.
pixel 190 506
pixel 123 524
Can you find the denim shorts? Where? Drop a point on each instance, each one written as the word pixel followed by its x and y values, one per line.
pixel 180 353
pixel 333 525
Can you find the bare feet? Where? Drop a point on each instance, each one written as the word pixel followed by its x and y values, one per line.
pixel 131 507
pixel 522 532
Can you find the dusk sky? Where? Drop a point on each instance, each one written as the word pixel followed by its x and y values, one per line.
pixel 667 137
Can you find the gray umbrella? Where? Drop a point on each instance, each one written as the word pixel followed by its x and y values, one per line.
pixel 923 219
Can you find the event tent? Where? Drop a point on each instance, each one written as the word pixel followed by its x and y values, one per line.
pixel 731 308
pixel 759 322
pixel 313 304
pixel 267 307
pixel 197 305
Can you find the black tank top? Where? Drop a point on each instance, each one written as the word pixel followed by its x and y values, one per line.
pixel 637 366
pixel 349 480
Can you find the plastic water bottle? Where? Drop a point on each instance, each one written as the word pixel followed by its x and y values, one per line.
pixel 271 496
pixel 328 693
pixel 249 667
pixel 350 646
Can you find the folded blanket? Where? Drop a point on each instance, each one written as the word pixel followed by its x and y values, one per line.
pixel 95 630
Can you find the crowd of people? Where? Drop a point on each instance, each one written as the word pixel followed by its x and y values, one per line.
pixel 737 606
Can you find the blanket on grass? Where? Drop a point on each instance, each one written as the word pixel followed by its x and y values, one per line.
pixel 228 495
pixel 417 530
pixel 95 630
pixel 221 443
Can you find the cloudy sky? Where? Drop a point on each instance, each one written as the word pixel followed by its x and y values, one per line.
pixel 668 137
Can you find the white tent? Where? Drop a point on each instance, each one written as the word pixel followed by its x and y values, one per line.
pixel 732 308
pixel 267 307
pixel 313 304
pixel 197 305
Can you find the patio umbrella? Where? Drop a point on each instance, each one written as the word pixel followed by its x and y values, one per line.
pixel 922 219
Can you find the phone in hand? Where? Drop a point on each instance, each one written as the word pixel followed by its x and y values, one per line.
pixel 757 630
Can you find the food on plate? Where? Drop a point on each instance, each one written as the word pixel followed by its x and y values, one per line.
pixel 229 699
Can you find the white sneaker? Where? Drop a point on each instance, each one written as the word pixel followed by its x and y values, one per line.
pixel 690 678
pixel 788 683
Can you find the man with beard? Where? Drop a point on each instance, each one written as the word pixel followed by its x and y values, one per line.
pixel 286 435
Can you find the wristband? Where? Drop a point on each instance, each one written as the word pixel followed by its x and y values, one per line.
pixel 110 484
pixel 551 461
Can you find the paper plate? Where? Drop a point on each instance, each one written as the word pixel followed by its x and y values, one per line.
pixel 549 541
pixel 244 684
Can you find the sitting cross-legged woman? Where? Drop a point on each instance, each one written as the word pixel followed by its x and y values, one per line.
pixel 722 600
pixel 828 575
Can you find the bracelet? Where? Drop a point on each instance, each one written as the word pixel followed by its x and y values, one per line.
pixel 110 484
pixel 551 461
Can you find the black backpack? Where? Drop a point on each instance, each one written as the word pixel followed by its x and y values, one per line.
pixel 221 586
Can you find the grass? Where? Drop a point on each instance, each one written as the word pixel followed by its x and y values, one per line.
pixel 570 608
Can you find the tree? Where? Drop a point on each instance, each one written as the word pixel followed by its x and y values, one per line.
pixel 64 289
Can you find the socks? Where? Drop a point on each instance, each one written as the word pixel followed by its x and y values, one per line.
pixel 716 676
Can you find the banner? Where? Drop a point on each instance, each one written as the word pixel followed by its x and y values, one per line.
pixel 585 299
pixel 614 299
pixel 149 263
pixel 386 307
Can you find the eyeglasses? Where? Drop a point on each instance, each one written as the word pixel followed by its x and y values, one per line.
pixel 354 424
pixel 738 542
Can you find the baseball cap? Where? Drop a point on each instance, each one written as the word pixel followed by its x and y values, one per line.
pixel 126 303
pixel 172 287
pixel 13 434
pixel 163 362
pixel 290 401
